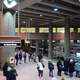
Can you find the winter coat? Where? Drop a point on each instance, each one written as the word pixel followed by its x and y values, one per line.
pixel 12 74
pixel 59 65
pixel 5 66
pixel 50 66
pixel 71 67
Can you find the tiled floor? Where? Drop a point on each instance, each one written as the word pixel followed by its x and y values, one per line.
pixel 28 71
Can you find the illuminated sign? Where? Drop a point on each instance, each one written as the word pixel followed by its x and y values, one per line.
pixel 54 30
pixel 71 29
pixel 23 30
pixel 9 44
pixel 78 29
pixel 43 30
pixel 60 30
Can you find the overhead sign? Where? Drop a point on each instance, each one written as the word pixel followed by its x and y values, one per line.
pixel 9 44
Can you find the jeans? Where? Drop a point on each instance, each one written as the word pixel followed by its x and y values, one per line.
pixel 40 73
pixel 77 73
pixel 51 73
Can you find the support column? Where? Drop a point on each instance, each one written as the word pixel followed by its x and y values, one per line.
pixel 67 41
pixel 50 50
pixel 75 30
pixel 7 29
pixel 37 42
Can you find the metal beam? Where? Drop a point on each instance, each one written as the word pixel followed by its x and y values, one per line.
pixel 72 2
pixel 42 13
pixel 49 11
pixel 32 16
pixel 26 3
pixel 40 19
pixel 60 7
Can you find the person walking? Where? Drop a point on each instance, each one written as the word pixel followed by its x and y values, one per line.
pixel 71 67
pixel 59 67
pixel 20 56
pixel 24 55
pixel 51 68
pixel 40 68
pixel 40 56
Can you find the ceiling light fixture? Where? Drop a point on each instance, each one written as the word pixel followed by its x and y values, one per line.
pixel 41 15
pixel 24 22
pixel 31 19
pixel 55 9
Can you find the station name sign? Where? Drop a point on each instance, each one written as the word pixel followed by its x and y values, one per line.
pixel 10 44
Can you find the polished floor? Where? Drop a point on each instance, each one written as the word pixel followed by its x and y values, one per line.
pixel 28 71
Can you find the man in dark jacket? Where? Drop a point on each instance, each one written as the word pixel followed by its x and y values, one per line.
pixel 5 68
pixel 71 67
pixel 12 73
pixel 66 66
pixel 59 67
pixel 51 68
pixel 20 56
pixel 17 58
pixel 40 56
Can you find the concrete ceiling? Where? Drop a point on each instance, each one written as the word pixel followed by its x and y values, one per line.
pixel 42 13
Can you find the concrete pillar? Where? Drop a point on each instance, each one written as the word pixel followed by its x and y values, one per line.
pixel 67 41
pixel 37 47
pixel 50 50
pixel 37 42
pixel 75 30
pixel 7 29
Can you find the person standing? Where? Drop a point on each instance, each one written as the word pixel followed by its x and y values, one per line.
pixel 12 73
pixel 51 68
pixel 16 58
pixel 66 66
pixel 59 67
pixel 40 56
pixel 71 67
pixel 24 57
pixel 5 68
pixel 20 56
pixel 40 68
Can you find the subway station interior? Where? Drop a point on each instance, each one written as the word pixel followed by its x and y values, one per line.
pixel 33 27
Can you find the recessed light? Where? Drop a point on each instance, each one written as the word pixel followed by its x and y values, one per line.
pixel 24 22
pixel 31 19
pixel 41 15
pixel 55 9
